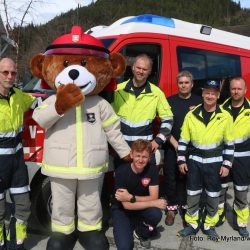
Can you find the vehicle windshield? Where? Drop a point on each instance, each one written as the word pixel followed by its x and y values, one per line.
pixel 33 86
pixel 108 42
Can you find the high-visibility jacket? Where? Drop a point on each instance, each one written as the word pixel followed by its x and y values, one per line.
pixel 12 110
pixel 138 113
pixel 241 127
pixel 76 143
pixel 209 143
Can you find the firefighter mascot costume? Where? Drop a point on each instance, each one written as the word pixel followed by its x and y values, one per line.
pixel 79 124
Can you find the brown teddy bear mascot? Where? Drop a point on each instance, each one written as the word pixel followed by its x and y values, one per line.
pixel 79 124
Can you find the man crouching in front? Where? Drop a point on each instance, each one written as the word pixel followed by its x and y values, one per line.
pixel 137 209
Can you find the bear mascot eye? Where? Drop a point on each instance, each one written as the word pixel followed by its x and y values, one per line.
pixel 66 63
pixel 83 63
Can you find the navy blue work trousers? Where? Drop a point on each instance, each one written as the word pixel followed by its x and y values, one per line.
pixel 126 221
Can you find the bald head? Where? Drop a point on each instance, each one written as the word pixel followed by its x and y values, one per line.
pixel 7 61
pixel 7 75
pixel 238 89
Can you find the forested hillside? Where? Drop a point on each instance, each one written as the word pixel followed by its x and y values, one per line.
pixel 217 13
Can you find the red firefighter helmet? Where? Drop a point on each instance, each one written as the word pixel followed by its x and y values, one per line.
pixel 77 43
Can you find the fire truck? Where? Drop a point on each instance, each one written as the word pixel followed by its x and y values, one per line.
pixel 173 45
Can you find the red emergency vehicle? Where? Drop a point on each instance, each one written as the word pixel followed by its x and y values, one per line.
pixel 174 45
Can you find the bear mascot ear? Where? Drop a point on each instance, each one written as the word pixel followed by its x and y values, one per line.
pixel 36 65
pixel 118 64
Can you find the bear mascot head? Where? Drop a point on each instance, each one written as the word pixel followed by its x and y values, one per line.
pixel 80 59
pixel 79 125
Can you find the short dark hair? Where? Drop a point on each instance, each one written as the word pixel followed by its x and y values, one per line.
pixel 140 145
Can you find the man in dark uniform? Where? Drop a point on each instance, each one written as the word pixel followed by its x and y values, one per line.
pixel 13 171
pixel 175 183
pixel 137 205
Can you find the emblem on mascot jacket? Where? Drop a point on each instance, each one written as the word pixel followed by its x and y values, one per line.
pixel 91 117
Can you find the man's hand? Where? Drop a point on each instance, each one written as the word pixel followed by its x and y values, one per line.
pixel 160 203
pixel 183 168
pixel 155 146
pixel 122 194
pixel 67 97
pixel 127 158
pixel 224 171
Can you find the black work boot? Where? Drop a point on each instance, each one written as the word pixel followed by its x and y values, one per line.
pixel 93 240
pixel 60 241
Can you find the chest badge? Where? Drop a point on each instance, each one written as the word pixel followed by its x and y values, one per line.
pixel 145 181
pixel 91 118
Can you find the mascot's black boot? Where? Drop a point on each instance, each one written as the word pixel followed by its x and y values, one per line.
pixel 16 231
pixel 60 241
pixel 93 240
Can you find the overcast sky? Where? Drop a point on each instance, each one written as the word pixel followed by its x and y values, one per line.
pixel 47 9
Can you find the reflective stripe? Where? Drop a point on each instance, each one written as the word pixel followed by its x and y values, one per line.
pixel 79 139
pixel 229 143
pixel 10 151
pixel 135 124
pixel 224 185
pixel 134 138
pixel 242 154
pixel 221 205
pixel 181 158
pixel 207 146
pixel 20 190
pixel 166 125
pixel 206 160
pixel 74 170
pixel 212 194
pixel 87 227
pixel 110 121
pixel 240 188
pixel 164 119
pixel 11 133
pixel 1 196
pixel 182 147
pixel 67 229
pixel 240 140
pixel 183 141
pixel 228 152
pixel 162 137
pixel 191 192
pixel 227 163
pixel 43 105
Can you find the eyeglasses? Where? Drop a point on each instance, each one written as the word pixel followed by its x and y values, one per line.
pixel 6 73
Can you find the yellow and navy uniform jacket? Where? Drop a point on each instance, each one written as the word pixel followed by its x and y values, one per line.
pixel 12 109
pixel 138 113
pixel 241 129
pixel 211 143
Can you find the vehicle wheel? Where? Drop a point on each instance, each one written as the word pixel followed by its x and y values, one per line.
pixel 41 201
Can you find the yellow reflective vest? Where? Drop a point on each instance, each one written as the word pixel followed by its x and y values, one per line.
pixel 241 128
pixel 209 143
pixel 138 113
pixel 12 109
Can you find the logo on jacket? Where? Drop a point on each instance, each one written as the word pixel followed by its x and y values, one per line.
pixel 91 117
pixel 145 181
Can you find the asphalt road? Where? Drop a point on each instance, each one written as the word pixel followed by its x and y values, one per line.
pixel 166 239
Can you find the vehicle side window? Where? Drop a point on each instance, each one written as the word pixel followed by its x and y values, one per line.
pixel 130 51
pixel 206 64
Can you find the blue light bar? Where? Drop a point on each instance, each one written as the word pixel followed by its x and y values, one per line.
pixel 151 19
